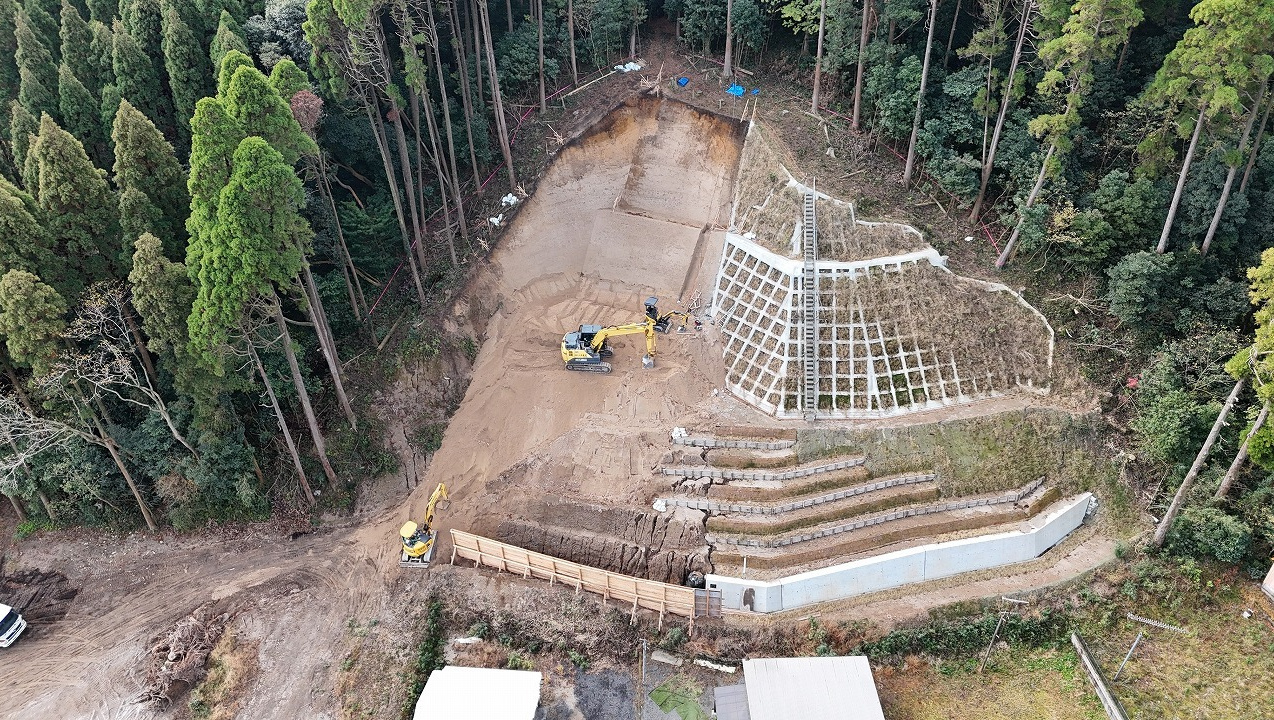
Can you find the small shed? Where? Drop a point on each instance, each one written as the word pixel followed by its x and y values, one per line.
pixel 817 688
pixel 464 693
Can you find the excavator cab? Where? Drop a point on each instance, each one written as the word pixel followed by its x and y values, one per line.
pixel 417 539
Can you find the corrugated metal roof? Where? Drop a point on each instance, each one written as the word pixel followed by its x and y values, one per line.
pixel 731 702
pixel 464 693
pixel 833 688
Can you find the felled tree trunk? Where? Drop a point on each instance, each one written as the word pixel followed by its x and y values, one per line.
pixel 283 426
pixel 320 443
pixel 1241 456
pixel 1179 499
pixel 1181 183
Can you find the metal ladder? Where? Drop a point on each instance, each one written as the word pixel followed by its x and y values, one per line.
pixel 809 309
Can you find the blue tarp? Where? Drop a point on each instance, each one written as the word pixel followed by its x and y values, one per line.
pixel 736 90
pixel 683 81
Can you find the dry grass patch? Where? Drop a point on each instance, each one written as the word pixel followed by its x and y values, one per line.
pixel 1040 684
pixel 231 668
pixel 1222 670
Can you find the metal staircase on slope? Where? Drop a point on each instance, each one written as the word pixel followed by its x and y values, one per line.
pixel 809 308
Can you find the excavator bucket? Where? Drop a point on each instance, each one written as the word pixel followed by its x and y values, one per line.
pixel 647 362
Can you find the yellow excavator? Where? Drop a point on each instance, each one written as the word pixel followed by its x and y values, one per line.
pixel 588 349
pixel 418 539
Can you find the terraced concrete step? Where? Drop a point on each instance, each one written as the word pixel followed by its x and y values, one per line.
pixel 707 442
pixel 717 506
pixel 843 510
pixel 881 518
pixel 760 476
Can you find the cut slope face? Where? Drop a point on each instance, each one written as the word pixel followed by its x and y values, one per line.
pixel 630 200
pixel 891 329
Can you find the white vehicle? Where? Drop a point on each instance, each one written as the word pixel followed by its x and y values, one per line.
pixel 11 625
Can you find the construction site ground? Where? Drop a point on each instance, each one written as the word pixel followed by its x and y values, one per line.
pixel 631 209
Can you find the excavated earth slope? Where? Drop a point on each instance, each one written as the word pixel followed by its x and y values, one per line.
pixel 539 456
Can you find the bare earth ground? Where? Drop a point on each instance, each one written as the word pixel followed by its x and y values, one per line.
pixel 619 216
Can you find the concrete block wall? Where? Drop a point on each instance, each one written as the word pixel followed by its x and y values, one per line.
pixel 927 562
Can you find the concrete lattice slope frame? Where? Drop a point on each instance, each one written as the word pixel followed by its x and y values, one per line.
pixel 897 332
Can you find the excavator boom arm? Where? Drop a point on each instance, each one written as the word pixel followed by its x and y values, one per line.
pixel 647 328
pixel 440 493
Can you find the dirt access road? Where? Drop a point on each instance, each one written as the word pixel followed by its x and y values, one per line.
pixel 619 216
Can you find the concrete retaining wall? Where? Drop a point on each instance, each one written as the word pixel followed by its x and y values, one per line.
pixel 927 562
pixel 751 508
pixel 704 472
pixel 739 444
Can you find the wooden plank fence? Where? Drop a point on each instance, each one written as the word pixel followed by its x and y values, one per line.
pixel 637 592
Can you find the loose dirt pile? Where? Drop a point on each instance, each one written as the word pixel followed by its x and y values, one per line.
pixel 41 597
pixel 645 544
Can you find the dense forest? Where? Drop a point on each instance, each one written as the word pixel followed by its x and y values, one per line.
pixel 202 201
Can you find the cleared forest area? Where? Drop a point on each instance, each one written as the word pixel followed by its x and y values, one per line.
pixel 271 270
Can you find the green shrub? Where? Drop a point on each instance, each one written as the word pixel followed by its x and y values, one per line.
pixel 430 657
pixel 27 528
pixel 518 661
pixel 673 639
pixel 1208 532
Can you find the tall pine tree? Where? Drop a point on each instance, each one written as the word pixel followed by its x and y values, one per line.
pixel 288 79
pixel 147 171
pixel 32 318
pixel 81 114
pixel 8 57
pixel 37 72
pixel 101 50
pixel 163 295
pixel 137 80
pixel 228 37
pixel 232 61
pixel 255 103
pixel 188 70
pixel 22 128
pixel 252 251
pixel 103 11
pixel 77 43
pixel 78 206
pixel 142 20
pixel 45 26
pixel 214 137
pixel 24 243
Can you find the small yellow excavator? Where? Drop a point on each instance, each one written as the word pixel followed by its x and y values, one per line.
pixel 587 349
pixel 418 540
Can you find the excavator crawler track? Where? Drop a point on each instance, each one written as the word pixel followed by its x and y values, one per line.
pixel 602 368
